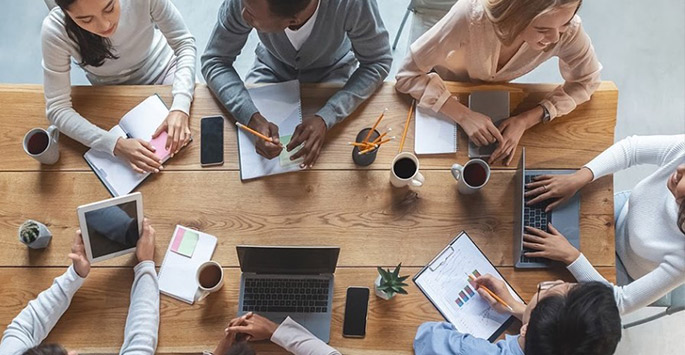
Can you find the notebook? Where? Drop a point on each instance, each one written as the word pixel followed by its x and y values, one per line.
pixel 187 250
pixel 280 104
pixel 141 122
pixel 434 133
pixel 445 283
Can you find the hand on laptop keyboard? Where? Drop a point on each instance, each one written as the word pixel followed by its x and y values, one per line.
pixel 555 189
pixel 550 245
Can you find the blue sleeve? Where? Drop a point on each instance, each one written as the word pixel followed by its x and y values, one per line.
pixel 442 338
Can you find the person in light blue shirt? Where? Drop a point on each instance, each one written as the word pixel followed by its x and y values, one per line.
pixel 561 318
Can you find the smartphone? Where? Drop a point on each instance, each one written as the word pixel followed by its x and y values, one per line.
pixel 212 141
pixel 494 104
pixel 356 310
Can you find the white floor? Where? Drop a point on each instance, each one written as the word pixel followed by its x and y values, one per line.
pixel 640 43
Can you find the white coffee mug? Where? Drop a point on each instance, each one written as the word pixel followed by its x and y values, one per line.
pixel 42 145
pixel 203 291
pixel 409 174
pixel 472 176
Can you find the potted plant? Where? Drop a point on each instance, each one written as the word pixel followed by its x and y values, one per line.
pixel 389 283
pixel 34 234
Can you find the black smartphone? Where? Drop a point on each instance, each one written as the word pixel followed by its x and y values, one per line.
pixel 212 141
pixel 356 310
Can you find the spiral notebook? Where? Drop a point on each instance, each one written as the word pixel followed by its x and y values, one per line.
pixel 434 133
pixel 280 104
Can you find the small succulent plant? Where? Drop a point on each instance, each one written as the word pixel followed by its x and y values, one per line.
pixel 391 282
pixel 29 232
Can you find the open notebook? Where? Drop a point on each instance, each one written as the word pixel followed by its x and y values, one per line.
pixel 434 133
pixel 187 250
pixel 141 122
pixel 280 104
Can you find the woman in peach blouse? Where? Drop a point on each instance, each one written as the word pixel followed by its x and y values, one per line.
pixel 499 41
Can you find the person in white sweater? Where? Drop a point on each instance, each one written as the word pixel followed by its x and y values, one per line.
pixel 650 223
pixel 289 335
pixel 34 322
pixel 117 42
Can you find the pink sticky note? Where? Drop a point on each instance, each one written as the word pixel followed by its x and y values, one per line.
pixel 177 239
pixel 159 143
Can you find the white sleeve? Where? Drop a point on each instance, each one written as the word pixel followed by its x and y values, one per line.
pixel 298 340
pixel 636 150
pixel 142 323
pixel 57 87
pixel 641 292
pixel 34 322
pixel 170 22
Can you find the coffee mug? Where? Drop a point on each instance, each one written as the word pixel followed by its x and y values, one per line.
pixel 42 145
pixel 210 278
pixel 472 176
pixel 405 171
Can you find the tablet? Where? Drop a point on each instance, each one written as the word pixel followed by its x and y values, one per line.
pixel 111 227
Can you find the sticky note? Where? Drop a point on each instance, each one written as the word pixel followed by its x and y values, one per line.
pixel 185 242
pixel 285 154
pixel 160 146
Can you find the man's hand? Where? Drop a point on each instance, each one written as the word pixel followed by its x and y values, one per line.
pixel 139 153
pixel 78 256
pixel 552 245
pixel 311 132
pixel 255 326
pixel 178 132
pixel 512 129
pixel 499 288
pixel 145 248
pixel 266 149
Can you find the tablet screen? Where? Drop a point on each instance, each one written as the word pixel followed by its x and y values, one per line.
pixel 112 229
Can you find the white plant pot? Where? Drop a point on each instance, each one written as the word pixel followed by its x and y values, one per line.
pixel 43 239
pixel 379 293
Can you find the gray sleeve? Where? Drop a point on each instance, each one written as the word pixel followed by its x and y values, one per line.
pixel 371 46
pixel 142 323
pixel 225 43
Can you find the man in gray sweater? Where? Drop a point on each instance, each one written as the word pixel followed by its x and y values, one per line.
pixel 313 41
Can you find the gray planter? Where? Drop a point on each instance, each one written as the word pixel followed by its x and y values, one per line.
pixel 41 240
pixel 379 293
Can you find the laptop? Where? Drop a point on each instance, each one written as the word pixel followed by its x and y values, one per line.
pixel 282 281
pixel 494 104
pixel 565 218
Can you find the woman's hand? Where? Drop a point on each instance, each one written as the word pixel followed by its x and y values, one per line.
pixel 254 325
pixel 559 187
pixel 178 131
pixel 78 256
pixel 139 153
pixel 552 245
pixel 512 129
pixel 479 128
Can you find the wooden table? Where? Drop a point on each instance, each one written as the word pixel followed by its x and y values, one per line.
pixel 335 203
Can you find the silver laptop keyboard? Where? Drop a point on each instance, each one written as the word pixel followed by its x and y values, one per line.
pixel 536 217
pixel 286 295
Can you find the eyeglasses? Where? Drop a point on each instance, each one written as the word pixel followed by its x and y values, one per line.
pixel 546 285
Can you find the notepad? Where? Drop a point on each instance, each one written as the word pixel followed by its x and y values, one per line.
pixel 280 104
pixel 446 283
pixel 141 122
pixel 187 250
pixel 434 133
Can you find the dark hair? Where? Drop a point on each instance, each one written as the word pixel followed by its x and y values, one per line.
pixel 287 8
pixel 93 48
pixel 239 348
pixel 48 349
pixel 585 321
pixel 681 217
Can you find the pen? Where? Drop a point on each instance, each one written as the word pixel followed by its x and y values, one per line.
pixel 491 293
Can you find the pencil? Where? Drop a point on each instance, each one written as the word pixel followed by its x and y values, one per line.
pixel 379 138
pixel 491 293
pixel 385 141
pixel 366 150
pixel 368 135
pixel 362 145
pixel 248 129
pixel 406 126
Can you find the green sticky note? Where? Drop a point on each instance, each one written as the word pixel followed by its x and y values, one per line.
pixel 188 244
pixel 285 154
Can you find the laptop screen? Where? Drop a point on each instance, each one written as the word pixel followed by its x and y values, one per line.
pixel 519 201
pixel 288 260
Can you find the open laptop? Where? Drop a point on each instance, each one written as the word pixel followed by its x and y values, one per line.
pixel 281 281
pixel 565 218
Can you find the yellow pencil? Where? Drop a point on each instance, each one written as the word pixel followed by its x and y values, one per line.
pixel 248 129
pixel 379 138
pixel 385 141
pixel 406 126
pixel 366 150
pixel 368 135
pixel 362 145
pixel 491 294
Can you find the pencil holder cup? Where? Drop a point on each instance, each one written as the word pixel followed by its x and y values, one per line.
pixel 367 158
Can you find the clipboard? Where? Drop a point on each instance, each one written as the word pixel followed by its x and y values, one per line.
pixel 453 304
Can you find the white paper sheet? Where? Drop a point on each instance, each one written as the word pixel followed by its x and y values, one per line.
pixel 434 133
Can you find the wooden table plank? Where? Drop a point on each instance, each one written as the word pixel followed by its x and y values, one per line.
pixel 191 329
pixel 358 210
pixel 567 142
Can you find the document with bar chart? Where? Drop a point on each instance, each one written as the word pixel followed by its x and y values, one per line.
pixel 446 283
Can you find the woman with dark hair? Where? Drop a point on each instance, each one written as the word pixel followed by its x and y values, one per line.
pixel 649 220
pixel 116 42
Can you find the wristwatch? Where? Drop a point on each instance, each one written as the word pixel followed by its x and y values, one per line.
pixel 546 117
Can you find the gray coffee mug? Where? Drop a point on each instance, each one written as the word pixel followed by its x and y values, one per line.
pixel 42 145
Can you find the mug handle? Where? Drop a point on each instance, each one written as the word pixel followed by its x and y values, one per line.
pixel 418 180
pixel 53 132
pixel 457 169
pixel 200 295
